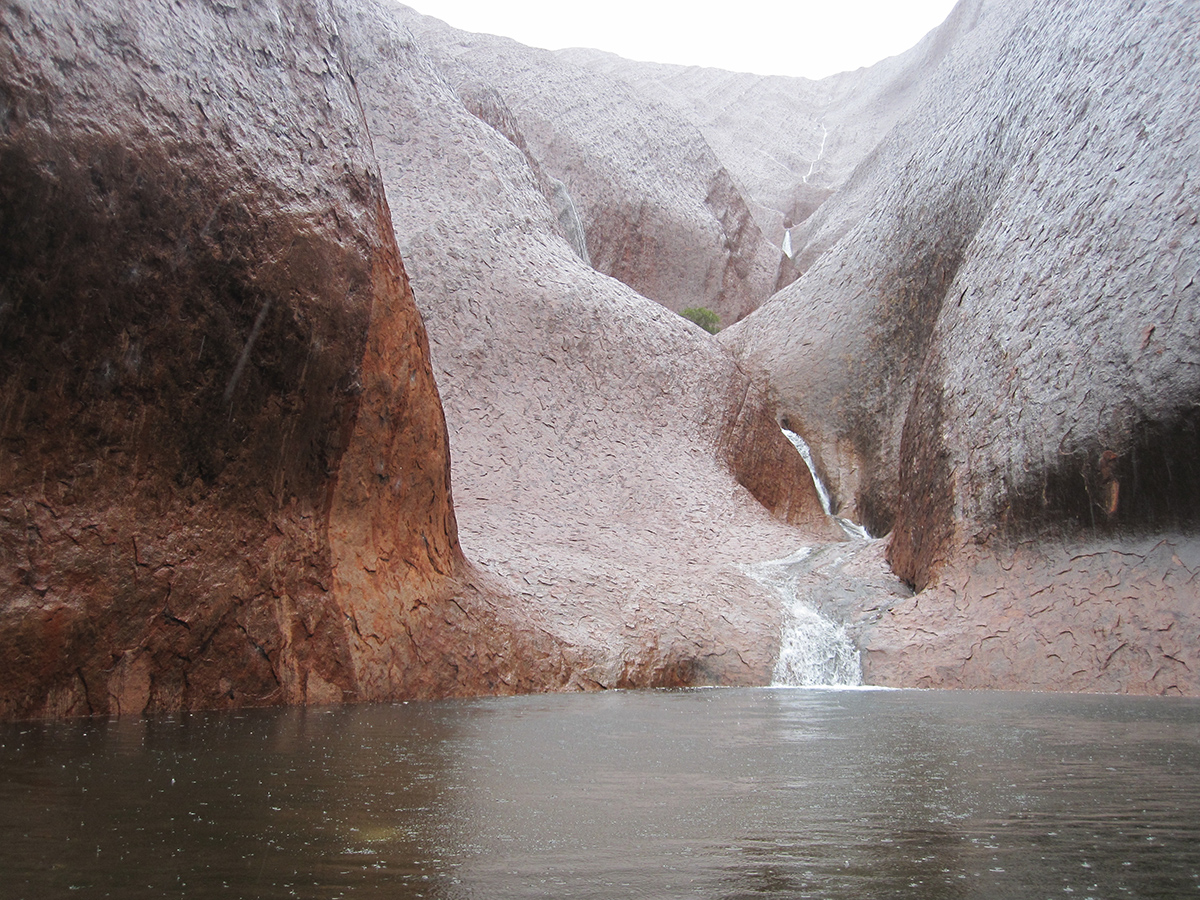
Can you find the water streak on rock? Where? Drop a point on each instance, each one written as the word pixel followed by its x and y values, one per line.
pixel 853 529
pixel 806 454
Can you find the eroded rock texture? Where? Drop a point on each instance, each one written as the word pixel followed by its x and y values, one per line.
pixel 598 439
pixel 224 467
pixel 788 143
pixel 661 212
pixel 223 461
pixel 1116 616
pixel 996 360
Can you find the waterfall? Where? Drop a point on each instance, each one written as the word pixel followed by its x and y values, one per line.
pixel 813 650
pixel 852 529
pixel 820 153
pixel 806 455
pixel 568 219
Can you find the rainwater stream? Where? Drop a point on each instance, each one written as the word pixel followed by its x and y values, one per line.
pixel 717 793
pixel 814 650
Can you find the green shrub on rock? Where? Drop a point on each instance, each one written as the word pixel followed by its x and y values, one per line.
pixel 704 317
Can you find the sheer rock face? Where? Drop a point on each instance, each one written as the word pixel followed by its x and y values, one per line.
pixel 1003 354
pixel 660 211
pixel 598 438
pixel 223 461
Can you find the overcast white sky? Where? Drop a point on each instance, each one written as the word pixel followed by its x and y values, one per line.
pixel 800 37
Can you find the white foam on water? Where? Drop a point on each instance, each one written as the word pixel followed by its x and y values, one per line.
pixel 813 650
pixel 854 530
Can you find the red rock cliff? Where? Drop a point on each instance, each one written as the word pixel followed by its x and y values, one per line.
pixel 224 476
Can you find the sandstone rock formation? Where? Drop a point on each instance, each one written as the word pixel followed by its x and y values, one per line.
pixel 998 362
pixel 598 440
pixel 223 462
pixel 789 143
pixel 225 468
pixel 660 211
pixel 224 471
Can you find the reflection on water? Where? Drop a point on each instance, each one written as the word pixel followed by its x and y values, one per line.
pixel 708 793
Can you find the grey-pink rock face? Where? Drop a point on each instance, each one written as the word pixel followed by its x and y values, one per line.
pixel 1003 350
pixel 661 212
pixel 595 435
pixel 789 143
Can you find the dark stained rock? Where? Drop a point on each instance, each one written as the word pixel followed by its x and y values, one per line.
pixel 606 452
pixel 660 211
pixel 223 462
pixel 998 361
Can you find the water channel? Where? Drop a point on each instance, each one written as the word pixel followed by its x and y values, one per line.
pixel 718 793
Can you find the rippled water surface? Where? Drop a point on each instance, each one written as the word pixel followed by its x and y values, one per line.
pixel 708 793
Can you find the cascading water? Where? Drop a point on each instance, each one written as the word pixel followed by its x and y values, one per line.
pixel 813 650
pixel 852 529
pixel 568 218
pixel 816 651
pixel 820 153
pixel 806 454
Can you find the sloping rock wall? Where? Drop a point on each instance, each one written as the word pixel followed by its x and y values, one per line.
pixel 660 211
pixel 605 450
pixel 1087 614
pixel 790 143
pixel 1002 356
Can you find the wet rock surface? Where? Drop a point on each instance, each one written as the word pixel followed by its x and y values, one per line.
pixel 1113 617
pixel 606 453
pixel 223 462
pixel 1003 350
pixel 225 467
pixel 788 143
pixel 661 212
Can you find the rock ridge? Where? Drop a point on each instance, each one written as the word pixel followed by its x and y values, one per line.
pixel 660 211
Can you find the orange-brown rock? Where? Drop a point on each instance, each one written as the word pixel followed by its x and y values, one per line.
pixel 223 461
